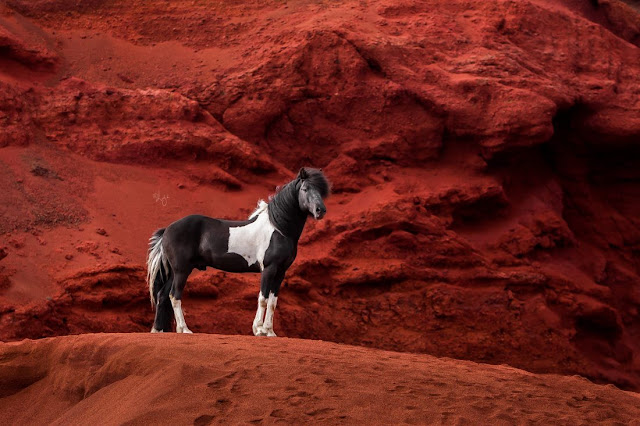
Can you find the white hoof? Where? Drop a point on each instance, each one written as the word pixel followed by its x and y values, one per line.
pixel 266 332
pixel 153 330
pixel 257 330
pixel 183 330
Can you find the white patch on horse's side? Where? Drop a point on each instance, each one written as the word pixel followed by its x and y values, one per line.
pixel 258 321
pixel 181 325
pixel 268 318
pixel 252 241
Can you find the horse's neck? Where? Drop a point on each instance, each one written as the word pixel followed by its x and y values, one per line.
pixel 290 226
pixel 286 216
pixel 296 230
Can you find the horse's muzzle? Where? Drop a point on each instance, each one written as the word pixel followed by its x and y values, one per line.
pixel 319 212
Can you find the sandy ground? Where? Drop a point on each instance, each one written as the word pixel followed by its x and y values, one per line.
pixel 201 379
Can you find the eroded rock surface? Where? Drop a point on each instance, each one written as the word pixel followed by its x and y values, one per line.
pixel 484 156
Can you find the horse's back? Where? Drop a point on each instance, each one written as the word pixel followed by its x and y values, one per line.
pixel 186 236
pixel 198 241
pixel 192 224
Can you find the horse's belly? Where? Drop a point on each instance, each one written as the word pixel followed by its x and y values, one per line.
pixel 231 262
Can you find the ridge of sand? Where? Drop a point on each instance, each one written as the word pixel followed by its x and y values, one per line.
pixel 202 379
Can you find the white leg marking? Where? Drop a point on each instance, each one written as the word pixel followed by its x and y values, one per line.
pixel 181 325
pixel 268 318
pixel 153 330
pixel 257 322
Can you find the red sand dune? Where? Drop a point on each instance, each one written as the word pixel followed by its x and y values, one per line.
pixel 484 157
pixel 202 379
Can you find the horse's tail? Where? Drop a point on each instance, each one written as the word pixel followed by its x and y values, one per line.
pixel 157 264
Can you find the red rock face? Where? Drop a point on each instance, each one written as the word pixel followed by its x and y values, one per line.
pixel 484 159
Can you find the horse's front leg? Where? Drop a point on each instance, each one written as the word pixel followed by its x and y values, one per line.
pixel 259 319
pixel 267 300
pixel 268 318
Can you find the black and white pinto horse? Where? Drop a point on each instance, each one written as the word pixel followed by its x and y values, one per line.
pixel 267 242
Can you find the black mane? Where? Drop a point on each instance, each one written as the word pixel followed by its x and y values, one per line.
pixel 284 210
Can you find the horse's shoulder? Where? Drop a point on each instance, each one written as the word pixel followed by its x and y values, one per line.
pixel 282 248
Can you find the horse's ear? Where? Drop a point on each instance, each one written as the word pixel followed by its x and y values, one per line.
pixel 302 174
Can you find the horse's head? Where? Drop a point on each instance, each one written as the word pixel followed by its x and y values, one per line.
pixel 314 188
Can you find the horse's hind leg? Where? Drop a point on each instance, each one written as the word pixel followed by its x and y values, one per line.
pixel 179 281
pixel 164 311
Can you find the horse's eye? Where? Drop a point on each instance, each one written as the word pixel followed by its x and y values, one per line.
pixel 304 189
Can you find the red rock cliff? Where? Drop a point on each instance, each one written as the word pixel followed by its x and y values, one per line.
pixel 484 159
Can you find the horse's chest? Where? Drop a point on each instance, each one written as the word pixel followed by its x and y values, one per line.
pixel 252 241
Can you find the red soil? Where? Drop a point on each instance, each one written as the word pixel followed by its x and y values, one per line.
pixel 145 379
pixel 484 159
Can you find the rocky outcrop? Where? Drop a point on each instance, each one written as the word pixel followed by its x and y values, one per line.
pixel 484 158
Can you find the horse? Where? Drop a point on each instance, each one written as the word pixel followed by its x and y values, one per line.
pixel 266 243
